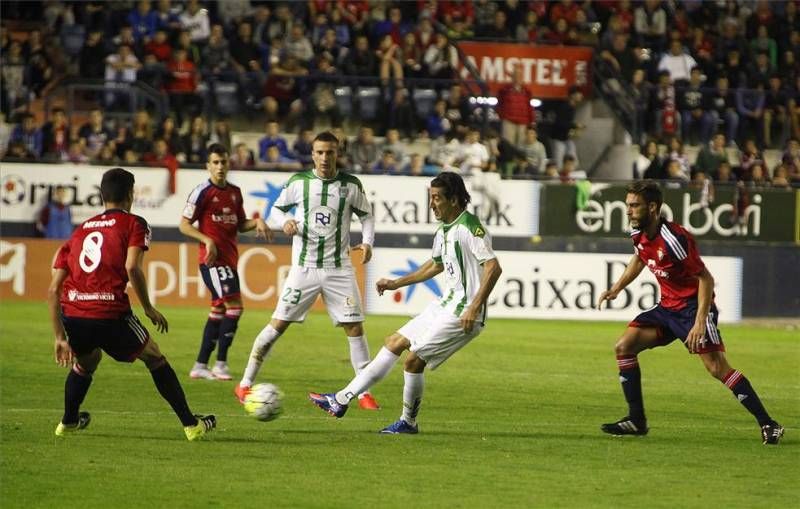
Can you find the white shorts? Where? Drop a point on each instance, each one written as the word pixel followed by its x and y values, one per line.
pixel 436 334
pixel 338 288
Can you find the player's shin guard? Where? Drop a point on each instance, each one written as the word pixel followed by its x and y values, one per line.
pixel 744 392
pixel 75 389
pixel 261 347
pixel 210 336
pixel 227 330
pixel 414 384
pixel 630 377
pixel 375 371
pixel 170 389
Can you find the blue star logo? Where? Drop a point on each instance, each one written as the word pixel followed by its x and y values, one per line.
pixel 270 194
pixel 429 284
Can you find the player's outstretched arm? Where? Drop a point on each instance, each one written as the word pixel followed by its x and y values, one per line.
pixel 632 271
pixel 133 264
pixel 187 228
pixel 63 352
pixel 491 273
pixel 259 225
pixel 428 270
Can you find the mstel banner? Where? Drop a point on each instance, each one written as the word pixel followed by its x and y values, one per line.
pixel 547 71
pixel 171 269
pixel 533 285
pixel 399 204
pixel 548 285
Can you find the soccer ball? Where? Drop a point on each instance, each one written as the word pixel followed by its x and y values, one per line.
pixel 264 402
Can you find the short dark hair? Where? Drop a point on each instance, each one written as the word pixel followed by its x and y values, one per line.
pixel 217 148
pixel 453 186
pixel 647 189
pixel 327 137
pixel 116 185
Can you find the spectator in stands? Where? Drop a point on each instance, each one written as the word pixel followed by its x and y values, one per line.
pixel 711 155
pixel 664 107
pixel 195 141
pixel 221 133
pixel 621 57
pixel 271 138
pixel 125 38
pixel 319 26
pixel 363 151
pixel 159 47
pixel 750 156
pixel 415 166
pixel 457 110
pixel 551 171
pixel 675 172
pixel 791 159
pixel 343 157
pixel 654 166
pixel 302 147
pixel 247 62
pixel 566 128
pixel 440 58
pixel 29 135
pixel 693 105
pixel 474 154
pixel 193 50
pixel 139 138
pixel 758 177
pixel 55 218
pixel 341 27
pixel 297 45
pixel 121 68
pixel 530 31
pixel 650 23
pixel 161 157
pixel 242 158
pixel 641 93
pixel 725 174
pixel 386 165
pixel 194 20
pixel 182 86
pixel 283 95
pixel 322 100
pixel 390 60
pixel 677 62
pixel 169 133
pixel 393 26
pixel 533 152
pixel 74 153
pixel 330 47
pixel 730 39
pixel 401 114
pixel 425 33
pixel 437 124
pixel 760 69
pixel 393 144
pixel 722 108
pixel 274 160
pixel 360 60
pixel 734 69
pixel 763 43
pixel 776 113
pixel 515 109
pixel 411 53
pixel 676 152
pixel 446 152
pixel 780 177
pixel 91 61
pixel 56 135
pixel 499 28
pixel 94 134
pixel 484 11
pixel 107 155
pixel 144 21
pixel 167 16
pixel 750 106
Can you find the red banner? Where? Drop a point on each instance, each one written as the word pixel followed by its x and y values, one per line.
pixel 548 71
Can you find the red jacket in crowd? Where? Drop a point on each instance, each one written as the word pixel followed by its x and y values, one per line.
pixel 184 77
pixel 514 105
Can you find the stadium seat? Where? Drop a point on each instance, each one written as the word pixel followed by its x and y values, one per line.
pixel 423 99
pixel 344 100
pixel 369 99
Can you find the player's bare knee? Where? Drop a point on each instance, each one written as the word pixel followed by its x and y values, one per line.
pixel 625 345
pixel 353 329
pixel 151 356
pixel 279 325
pixel 716 365
pixel 396 343
pixel 414 364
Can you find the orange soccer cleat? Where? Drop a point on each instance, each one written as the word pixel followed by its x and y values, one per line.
pixel 367 402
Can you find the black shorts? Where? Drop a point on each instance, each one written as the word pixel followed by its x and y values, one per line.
pixel 222 281
pixel 122 338
pixel 676 324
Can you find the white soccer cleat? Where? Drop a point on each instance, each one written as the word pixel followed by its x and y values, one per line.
pixel 221 372
pixel 202 373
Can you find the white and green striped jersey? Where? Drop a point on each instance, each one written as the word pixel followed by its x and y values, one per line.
pixel 462 247
pixel 324 209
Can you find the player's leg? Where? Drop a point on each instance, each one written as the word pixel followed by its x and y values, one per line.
pixel 166 381
pixel 230 321
pixel 262 345
pixel 76 386
pixel 413 386
pixel 337 403
pixel 211 330
pixel 359 359
pixel 717 364
pixel 634 340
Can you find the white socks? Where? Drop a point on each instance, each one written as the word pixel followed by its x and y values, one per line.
pixel 374 372
pixel 261 347
pixel 412 395
pixel 359 352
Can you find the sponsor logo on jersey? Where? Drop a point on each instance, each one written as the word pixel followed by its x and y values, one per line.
pixel 322 219
pixel 75 295
pixel 225 218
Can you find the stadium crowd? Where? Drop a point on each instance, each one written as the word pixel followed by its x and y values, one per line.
pixel 718 74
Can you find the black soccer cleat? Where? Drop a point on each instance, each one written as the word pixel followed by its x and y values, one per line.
pixel 625 426
pixel 771 433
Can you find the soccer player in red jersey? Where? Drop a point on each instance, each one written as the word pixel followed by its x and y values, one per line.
pixel 216 207
pixel 90 311
pixel 686 311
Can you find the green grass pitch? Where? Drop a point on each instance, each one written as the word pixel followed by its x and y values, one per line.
pixel 510 421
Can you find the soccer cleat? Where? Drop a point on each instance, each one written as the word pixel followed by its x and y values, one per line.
pixel 400 427
pixel 328 403
pixel 83 421
pixel 205 423
pixel 625 426
pixel 202 373
pixel 771 433
pixel 241 392
pixel 221 372
pixel 367 402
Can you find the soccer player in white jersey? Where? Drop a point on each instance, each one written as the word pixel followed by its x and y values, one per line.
pixel 324 201
pixel 462 249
